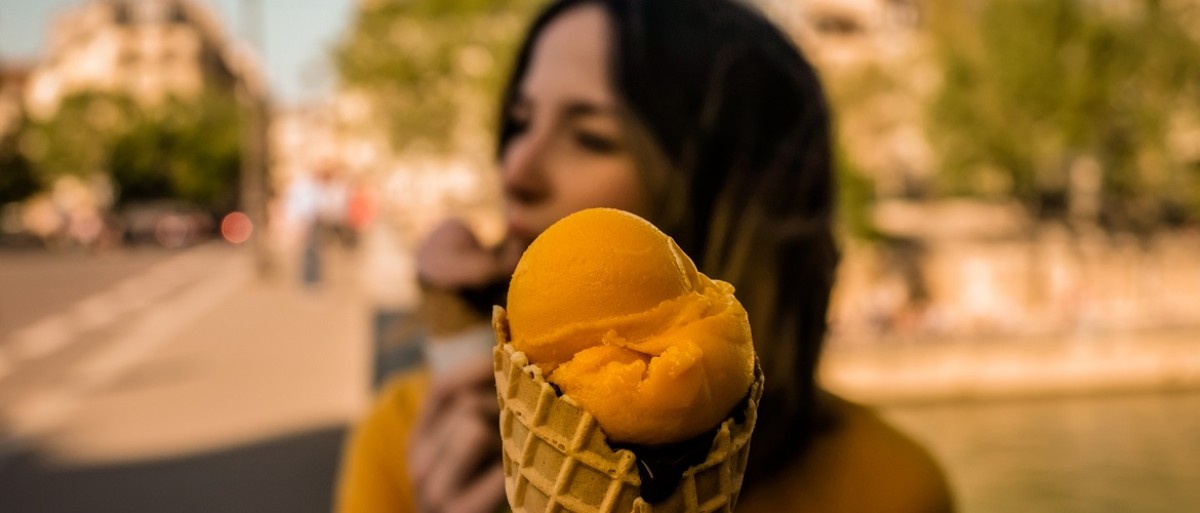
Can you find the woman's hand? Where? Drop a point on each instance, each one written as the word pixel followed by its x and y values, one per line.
pixel 454 454
pixel 458 275
pixel 452 258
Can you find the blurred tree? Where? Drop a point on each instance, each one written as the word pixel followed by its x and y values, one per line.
pixel 76 141
pixel 856 195
pixel 17 180
pixel 184 149
pixel 1037 95
pixel 431 68
pixel 874 102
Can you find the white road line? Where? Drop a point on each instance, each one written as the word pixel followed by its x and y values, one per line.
pixel 40 412
pixel 42 338
pixel 57 331
pixel 44 411
pixel 97 311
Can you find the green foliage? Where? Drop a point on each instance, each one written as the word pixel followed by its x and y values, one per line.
pixel 77 140
pixel 1030 86
pixel 17 180
pixel 186 149
pixel 856 96
pixel 855 195
pixel 429 64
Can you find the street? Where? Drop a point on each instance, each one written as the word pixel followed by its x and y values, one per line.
pixel 155 380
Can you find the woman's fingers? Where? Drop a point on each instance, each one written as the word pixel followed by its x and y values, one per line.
pixel 472 376
pixel 455 441
pixel 430 445
pixel 483 494
pixel 470 445
pixel 452 258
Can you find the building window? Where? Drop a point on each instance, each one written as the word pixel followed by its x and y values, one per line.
pixel 177 14
pixel 903 13
pixel 122 14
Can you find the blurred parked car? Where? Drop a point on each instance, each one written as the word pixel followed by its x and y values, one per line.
pixel 168 223
pixel 13 232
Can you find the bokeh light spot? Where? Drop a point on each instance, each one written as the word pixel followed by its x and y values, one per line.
pixel 236 227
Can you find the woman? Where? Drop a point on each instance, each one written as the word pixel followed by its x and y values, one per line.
pixel 700 116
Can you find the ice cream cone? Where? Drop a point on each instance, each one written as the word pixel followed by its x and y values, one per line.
pixel 557 459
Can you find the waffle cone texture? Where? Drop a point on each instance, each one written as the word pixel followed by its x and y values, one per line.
pixel 557 459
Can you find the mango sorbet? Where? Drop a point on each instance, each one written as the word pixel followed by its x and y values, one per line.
pixel 619 319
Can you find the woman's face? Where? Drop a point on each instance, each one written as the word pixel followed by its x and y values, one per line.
pixel 567 151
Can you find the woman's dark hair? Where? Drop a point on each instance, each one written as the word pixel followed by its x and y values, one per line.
pixel 740 116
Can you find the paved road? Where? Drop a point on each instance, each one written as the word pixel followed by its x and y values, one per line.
pixel 174 381
pixel 35 283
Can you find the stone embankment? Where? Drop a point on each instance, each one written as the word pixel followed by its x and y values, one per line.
pixel 967 301
pixel 906 372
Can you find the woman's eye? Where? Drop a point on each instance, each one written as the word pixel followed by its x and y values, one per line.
pixel 518 118
pixel 596 143
pixel 518 124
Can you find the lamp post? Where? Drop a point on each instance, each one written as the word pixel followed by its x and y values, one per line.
pixel 252 94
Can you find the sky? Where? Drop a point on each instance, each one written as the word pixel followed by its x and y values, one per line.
pixel 298 36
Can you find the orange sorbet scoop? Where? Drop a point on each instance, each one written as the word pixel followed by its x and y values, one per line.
pixel 618 317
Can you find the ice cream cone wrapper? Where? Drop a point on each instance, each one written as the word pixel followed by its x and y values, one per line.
pixel 557 459
pixel 446 313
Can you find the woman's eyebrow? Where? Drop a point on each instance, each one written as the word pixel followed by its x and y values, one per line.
pixel 574 109
pixel 581 109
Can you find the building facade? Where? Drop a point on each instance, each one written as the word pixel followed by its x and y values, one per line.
pixel 149 49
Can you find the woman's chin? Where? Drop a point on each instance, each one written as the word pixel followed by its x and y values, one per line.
pixel 521 231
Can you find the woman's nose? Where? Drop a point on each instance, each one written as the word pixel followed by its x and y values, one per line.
pixel 524 175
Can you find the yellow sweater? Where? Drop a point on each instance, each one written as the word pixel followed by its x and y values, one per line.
pixel 374 477
pixel 862 465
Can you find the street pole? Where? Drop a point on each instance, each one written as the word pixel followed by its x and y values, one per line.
pixel 253 98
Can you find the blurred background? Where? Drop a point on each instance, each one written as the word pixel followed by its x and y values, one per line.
pixel 208 211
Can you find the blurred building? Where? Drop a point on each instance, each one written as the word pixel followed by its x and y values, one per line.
pixel 148 51
pixel 853 32
pixel 13 77
pixel 872 56
pixel 147 48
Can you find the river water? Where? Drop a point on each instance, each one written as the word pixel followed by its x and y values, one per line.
pixel 1125 453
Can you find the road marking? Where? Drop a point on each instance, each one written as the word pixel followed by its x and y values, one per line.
pixel 57 331
pixel 39 413
pixel 42 338
pixel 97 311
pixel 42 412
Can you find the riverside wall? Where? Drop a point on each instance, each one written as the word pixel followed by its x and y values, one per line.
pixel 1043 312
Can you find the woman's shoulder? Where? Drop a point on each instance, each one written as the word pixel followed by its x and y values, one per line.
pixel 392 412
pixel 372 478
pixel 861 463
pixel 401 396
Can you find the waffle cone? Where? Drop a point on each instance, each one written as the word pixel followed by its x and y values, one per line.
pixel 557 459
